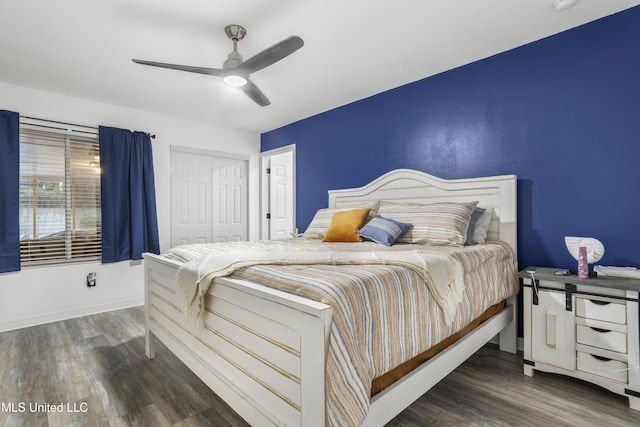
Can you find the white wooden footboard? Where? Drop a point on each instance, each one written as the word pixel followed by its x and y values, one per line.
pixel 261 350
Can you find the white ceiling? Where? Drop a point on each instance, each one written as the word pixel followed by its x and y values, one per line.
pixel 353 48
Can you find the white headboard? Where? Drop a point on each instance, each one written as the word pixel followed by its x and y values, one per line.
pixel 413 186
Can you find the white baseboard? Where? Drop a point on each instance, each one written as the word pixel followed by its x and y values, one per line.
pixel 69 314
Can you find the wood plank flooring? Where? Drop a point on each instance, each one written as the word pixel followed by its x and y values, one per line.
pixel 92 371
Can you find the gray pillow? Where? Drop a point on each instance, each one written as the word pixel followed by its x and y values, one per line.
pixel 479 225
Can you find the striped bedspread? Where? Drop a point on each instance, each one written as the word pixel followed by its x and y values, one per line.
pixel 384 314
pixel 441 272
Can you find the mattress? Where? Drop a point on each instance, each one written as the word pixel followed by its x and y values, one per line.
pixel 384 315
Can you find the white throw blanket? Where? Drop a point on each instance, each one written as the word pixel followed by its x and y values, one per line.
pixel 441 272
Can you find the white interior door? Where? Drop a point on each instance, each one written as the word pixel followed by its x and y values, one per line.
pixel 190 198
pixel 281 219
pixel 230 204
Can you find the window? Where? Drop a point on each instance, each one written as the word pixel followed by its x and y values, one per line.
pixel 59 193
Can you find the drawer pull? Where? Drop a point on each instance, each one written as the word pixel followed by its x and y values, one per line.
pixel 598 302
pixel 551 328
pixel 603 359
pixel 600 330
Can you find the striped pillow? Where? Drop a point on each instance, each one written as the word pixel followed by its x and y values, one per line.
pixel 442 223
pixel 321 220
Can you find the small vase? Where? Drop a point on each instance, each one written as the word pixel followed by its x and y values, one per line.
pixel 583 266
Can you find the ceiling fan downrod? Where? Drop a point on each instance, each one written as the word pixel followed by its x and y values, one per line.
pixel 235 33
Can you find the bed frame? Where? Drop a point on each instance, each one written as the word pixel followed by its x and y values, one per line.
pixel 263 351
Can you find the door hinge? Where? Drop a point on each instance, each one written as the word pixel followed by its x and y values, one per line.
pixel 535 292
pixel 268 216
pixel 268 170
pixel 631 392
pixel 569 289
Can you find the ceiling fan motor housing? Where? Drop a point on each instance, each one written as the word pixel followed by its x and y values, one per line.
pixel 233 60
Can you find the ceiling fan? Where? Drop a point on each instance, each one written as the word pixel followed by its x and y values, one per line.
pixel 235 72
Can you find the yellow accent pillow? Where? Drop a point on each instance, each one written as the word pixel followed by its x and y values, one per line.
pixel 344 226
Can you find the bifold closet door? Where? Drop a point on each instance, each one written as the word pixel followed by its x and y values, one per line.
pixel 191 200
pixel 208 198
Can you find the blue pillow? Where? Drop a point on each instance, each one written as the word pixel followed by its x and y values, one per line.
pixel 384 231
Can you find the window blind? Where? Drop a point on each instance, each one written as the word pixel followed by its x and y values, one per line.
pixel 59 193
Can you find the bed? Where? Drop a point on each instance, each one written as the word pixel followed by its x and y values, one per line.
pixel 266 351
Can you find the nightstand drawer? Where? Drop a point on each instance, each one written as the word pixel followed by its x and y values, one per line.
pixel 607 368
pixel 601 338
pixel 601 310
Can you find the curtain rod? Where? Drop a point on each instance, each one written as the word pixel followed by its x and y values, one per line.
pixel 152 136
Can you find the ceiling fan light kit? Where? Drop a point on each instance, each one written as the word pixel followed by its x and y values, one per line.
pixel 235 72
pixel 234 80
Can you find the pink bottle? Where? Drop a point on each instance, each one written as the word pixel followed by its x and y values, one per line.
pixel 583 266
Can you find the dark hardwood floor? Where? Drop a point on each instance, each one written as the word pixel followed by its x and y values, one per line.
pixel 92 371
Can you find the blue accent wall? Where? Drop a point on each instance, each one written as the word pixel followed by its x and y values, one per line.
pixel 562 113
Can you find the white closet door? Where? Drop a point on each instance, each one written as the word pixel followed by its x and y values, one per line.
pixel 190 198
pixel 281 196
pixel 229 216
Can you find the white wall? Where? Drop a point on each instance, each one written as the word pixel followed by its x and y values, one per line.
pixel 44 294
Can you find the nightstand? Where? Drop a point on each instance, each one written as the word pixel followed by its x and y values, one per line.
pixel 584 328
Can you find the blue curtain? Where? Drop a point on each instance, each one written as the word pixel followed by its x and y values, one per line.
pixel 129 220
pixel 9 191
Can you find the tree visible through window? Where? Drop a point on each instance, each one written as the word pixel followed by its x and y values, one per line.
pixel 59 195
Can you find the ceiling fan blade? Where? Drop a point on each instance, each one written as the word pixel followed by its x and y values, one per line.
pixel 271 55
pixel 254 93
pixel 199 70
